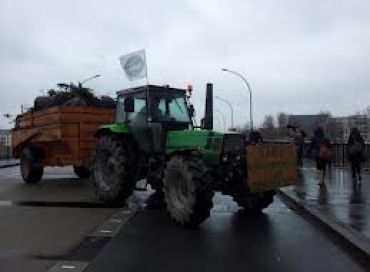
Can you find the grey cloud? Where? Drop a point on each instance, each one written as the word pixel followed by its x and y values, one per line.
pixel 300 56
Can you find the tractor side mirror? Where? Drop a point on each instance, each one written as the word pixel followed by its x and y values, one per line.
pixel 191 110
pixel 129 104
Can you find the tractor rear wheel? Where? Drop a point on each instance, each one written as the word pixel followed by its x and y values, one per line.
pixel 81 171
pixel 111 174
pixel 31 166
pixel 255 202
pixel 187 190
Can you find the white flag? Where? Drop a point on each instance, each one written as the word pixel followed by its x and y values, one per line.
pixel 134 65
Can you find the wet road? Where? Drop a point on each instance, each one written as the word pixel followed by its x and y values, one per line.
pixel 277 240
pixel 41 223
pixel 34 237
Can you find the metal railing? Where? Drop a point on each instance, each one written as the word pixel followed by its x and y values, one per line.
pixel 340 155
pixel 6 152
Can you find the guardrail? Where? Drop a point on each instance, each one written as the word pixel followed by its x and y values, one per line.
pixel 6 152
pixel 340 155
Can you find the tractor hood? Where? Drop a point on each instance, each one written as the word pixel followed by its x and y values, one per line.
pixel 209 143
pixel 198 139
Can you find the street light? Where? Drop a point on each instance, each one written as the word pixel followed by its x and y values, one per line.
pixel 250 92
pixel 96 76
pixel 231 109
pixel 223 118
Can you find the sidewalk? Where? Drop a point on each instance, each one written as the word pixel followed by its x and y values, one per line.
pixel 340 205
pixel 8 163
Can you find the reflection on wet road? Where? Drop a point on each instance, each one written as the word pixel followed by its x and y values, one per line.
pixel 230 240
pixel 345 200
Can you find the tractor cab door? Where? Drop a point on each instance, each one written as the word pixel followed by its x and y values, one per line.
pixel 132 109
pixel 150 117
pixel 169 111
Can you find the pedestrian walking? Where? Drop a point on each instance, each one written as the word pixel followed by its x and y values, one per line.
pixel 355 151
pixel 298 136
pixel 255 138
pixel 321 149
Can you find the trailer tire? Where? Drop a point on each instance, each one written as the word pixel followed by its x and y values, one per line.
pixel 82 171
pixel 111 174
pixel 31 166
pixel 187 190
pixel 255 202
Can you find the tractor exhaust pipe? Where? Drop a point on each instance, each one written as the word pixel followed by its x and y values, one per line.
pixel 207 121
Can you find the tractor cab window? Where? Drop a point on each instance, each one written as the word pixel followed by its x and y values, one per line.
pixel 139 112
pixel 169 107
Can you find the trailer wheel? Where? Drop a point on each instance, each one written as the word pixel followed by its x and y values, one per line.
pixel 111 174
pixel 187 190
pixel 31 166
pixel 255 202
pixel 81 171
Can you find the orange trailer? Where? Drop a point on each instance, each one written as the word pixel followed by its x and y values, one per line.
pixel 57 136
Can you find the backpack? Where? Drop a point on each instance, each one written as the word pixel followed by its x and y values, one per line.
pixel 325 152
pixel 355 148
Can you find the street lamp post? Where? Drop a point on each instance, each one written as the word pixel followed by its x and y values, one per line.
pixel 223 118
pixel 231 109
pixel 250 93
pixel 96 76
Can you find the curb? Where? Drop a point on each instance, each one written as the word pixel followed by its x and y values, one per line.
pixel 349 238
pixel 9 165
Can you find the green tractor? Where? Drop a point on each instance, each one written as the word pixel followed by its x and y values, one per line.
pixel 154 138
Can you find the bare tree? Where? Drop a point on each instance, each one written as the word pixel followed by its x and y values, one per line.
pixel 282 119
pixel 269 122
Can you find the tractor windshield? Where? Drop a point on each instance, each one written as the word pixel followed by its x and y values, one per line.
pixel 169 107
pixel 164 106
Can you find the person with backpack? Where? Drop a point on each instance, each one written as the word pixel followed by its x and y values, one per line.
pixel 355 151
pixel 322 152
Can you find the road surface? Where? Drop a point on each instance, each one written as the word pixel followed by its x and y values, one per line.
pixel 50 222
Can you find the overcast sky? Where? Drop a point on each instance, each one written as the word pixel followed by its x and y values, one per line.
pixel 299 56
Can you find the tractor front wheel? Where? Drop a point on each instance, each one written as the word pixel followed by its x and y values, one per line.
pixel 111 175
pixel 254 202
pixel 187 190
pixel 31 166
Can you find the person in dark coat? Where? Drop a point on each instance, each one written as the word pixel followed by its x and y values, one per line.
pixel 321 149
pixel 355 151
pixel 255 138
pixel 298 136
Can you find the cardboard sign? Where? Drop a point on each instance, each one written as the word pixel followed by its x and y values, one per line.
pixel 271 166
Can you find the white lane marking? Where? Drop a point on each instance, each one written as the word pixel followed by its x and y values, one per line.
pixel 112 226
pixel 75 266
pixel 68 267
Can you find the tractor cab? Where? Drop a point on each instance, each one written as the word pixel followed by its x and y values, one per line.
pixel 151 111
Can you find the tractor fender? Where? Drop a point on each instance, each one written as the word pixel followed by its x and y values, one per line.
pixel 112 129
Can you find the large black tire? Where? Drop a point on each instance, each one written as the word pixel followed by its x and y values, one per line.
pixel 111 174
pixel 81 171
pixel 31 166
pixel 187 190
pixel 255 202
pixel 44 102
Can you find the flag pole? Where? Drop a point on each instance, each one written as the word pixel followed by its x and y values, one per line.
pixel 147 87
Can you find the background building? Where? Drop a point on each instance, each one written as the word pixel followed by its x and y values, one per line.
pixel 308 122
pixel 5 143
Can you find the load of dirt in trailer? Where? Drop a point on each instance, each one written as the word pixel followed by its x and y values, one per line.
pixel 71 95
